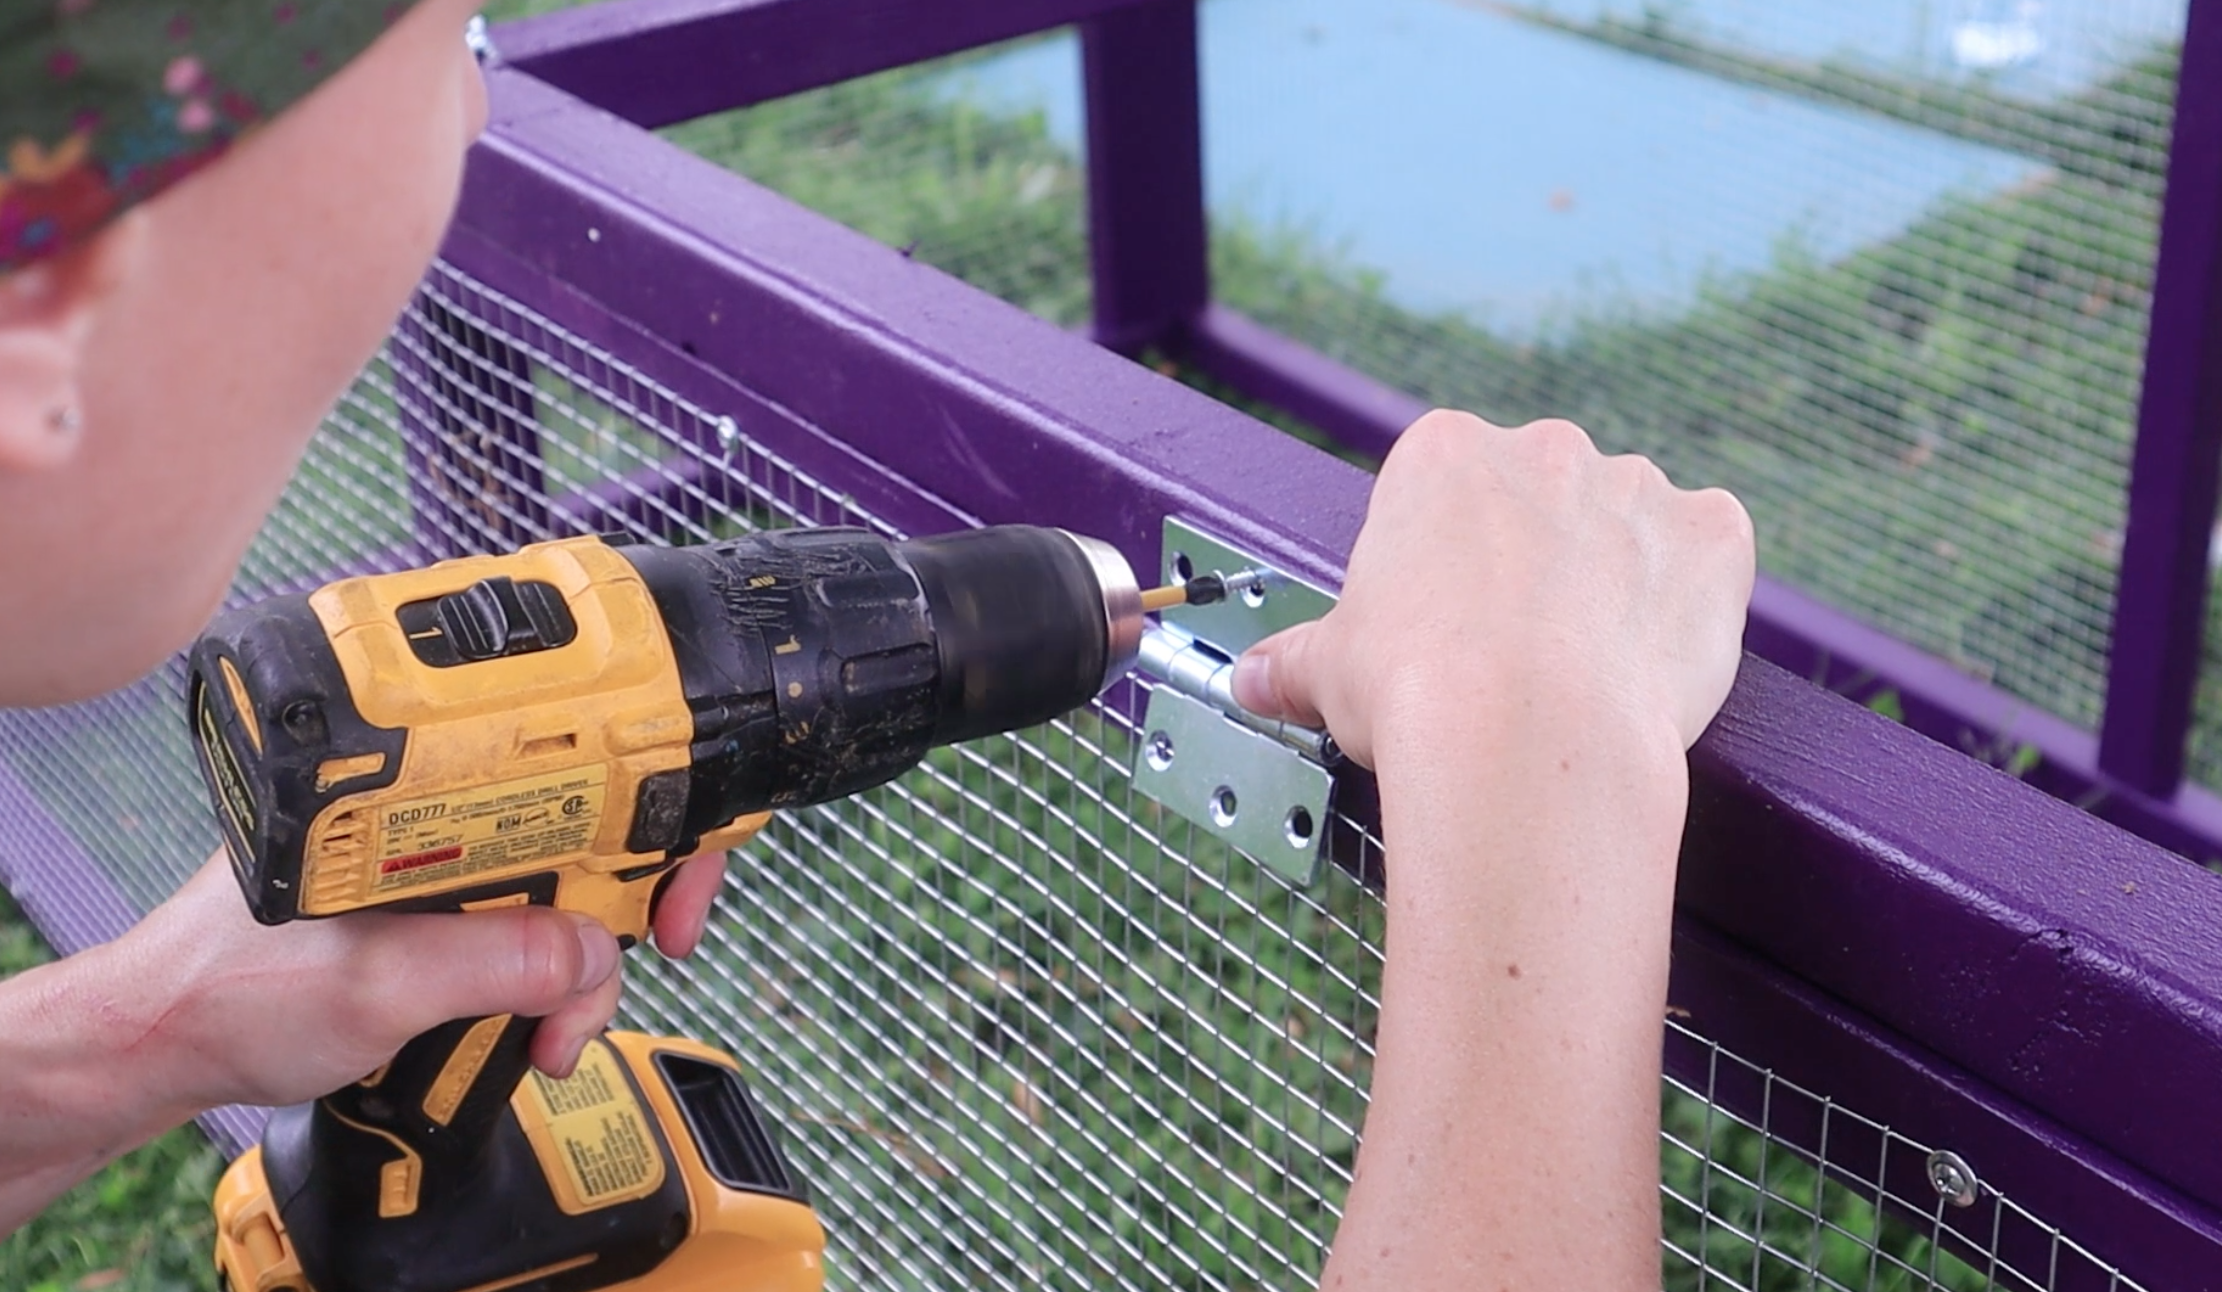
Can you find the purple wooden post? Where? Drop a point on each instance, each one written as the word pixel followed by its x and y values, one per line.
pixel 1361 413
pixel 1147 241
pixel 2160 601
pixel 466 403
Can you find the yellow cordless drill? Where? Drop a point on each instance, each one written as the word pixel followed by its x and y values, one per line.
pixel 561 726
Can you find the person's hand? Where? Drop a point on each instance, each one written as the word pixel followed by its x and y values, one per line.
pixel 1530 637
pixel 684 909
pixel 1517 563
pixel 250 1014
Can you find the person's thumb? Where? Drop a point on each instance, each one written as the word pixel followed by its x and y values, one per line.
pixel 527 960
pixel 1274 679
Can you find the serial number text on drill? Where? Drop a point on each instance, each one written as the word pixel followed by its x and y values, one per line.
pixel 488 827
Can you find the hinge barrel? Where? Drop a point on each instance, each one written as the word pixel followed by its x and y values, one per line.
pixel 1174 656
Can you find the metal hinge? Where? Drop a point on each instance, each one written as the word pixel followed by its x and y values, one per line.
pixel 1265 787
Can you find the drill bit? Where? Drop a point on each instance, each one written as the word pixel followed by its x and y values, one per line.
pixel 1203 590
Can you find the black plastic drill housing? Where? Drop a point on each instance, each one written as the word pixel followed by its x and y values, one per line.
pixel 822 662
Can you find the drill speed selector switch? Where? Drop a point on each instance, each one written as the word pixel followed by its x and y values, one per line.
pixel 487 620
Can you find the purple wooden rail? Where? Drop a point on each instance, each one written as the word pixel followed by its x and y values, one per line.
pixel 1876 916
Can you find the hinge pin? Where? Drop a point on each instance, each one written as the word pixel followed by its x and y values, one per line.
pixel 1173 656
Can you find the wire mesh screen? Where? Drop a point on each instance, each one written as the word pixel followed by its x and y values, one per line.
pixel 1897 307
pixel 1020 1027
pixel 948 160
pixel 1884 270
pixel 1769 1186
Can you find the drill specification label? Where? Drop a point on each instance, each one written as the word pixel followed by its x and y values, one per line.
pixel 591 1134
pixel 488 827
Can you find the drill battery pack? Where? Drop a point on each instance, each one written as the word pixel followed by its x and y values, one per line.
pixel 649 1169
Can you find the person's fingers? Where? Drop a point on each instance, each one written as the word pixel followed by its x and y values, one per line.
pixel 427 969
pixel 1274 679
pixel 1722 532
pixel 1722 517
pixel 559 1038
pixel 684 908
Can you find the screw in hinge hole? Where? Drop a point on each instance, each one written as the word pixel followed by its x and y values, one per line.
pixel 1953 1179
pixel 477 40
pixel 1212 587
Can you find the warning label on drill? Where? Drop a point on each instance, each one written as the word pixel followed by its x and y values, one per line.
pixel 591 1134
pixel 488 827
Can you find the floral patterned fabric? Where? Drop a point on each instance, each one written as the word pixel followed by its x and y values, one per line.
pixel 104 103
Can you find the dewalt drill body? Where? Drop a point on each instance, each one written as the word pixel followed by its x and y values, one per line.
pixel 561 726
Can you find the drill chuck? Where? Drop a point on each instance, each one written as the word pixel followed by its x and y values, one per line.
pixel 1029 624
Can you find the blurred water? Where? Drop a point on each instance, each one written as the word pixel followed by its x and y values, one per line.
pixel 2070 43
pixel 1519 175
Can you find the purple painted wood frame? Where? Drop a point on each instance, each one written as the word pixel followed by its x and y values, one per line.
pixel 1149 250
pixel 2161 597
pixel 656 62
pixel 1873 914
pixel 67 893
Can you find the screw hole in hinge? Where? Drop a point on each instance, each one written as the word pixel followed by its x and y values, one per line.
pixel 1183 568
pixel 1298 827
pixel 1159 750
pixel 1223 806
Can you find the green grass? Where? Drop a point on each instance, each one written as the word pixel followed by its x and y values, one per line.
pixel 991 1033
pixel 986 195
pixel 141 1225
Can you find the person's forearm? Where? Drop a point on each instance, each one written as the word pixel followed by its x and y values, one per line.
pixel 77 1085
pixel 1512 1141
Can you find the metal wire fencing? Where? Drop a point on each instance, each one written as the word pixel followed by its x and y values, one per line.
pixel 1883 270
pixel 1842 1203
pixel 1021 1028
